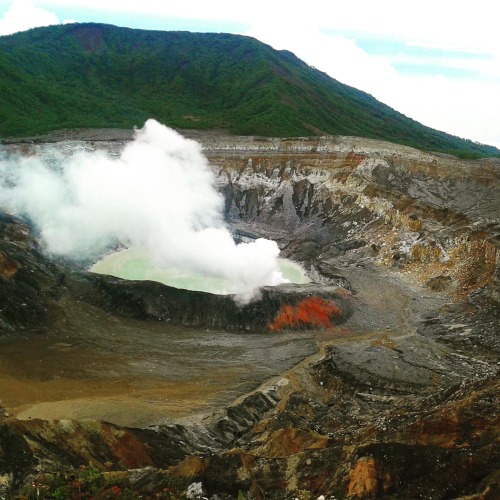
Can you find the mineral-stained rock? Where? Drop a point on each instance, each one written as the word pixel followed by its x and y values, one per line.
pixel 367 479
pixel 277 308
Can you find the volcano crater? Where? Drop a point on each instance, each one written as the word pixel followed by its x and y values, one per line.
pixel 367 371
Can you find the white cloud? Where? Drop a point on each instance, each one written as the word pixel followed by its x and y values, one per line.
pixel 447 24
pixel 460 106
pixel 23 15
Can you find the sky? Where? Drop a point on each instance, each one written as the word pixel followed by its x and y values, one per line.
pixel 436 61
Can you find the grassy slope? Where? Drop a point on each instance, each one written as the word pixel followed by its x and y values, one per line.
pixel 91 75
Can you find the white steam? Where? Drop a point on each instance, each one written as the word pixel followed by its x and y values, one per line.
pixel 160 194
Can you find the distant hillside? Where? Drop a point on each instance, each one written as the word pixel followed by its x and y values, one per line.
pixel 94 75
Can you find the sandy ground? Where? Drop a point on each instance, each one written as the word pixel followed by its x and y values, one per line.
pixel 137 373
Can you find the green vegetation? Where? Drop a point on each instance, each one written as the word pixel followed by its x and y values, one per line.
pixel 94 75
pixel 88 482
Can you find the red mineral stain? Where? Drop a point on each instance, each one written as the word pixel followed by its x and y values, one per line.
pixel 311 312
pixel 8 266
pixel 127 447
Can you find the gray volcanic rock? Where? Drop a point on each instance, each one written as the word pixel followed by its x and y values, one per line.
pixel 307 306
pixel 399 366
pixel 28 282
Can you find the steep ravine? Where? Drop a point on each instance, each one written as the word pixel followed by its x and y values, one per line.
pixel 401 397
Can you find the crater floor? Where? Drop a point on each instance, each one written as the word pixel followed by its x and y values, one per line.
pixel 95 366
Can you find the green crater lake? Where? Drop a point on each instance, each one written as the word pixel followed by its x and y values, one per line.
pixel 137 264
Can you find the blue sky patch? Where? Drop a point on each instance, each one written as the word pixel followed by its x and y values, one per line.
pixel 409 69
pixel 393 48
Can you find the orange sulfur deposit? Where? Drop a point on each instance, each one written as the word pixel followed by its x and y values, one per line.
pixel 312 312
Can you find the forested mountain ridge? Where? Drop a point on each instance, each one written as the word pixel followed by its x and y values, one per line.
pixel 95 75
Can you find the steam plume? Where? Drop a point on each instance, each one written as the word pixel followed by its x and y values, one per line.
pixel 160 193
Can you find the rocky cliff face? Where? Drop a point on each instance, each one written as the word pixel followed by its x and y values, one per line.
pixel 427 215
pixel 401 402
